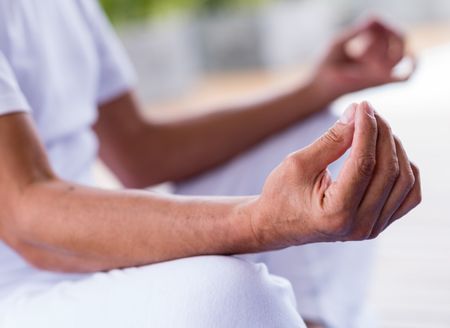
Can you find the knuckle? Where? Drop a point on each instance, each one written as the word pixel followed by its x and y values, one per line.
pixel 398 141
pixel 393 171
pixel 293 164
pixel 373 122
pixel 292 161
pixel 418 191
pixel 383 124
pixel 374 235
pixel 332 136
pixel 388 128
pixel 361 234
pixel 408 180
pixel 418 196
pixel 416 170
pixel 366 165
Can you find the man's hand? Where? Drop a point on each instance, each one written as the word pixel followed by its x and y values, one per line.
pixel 361 57
pixel 377 185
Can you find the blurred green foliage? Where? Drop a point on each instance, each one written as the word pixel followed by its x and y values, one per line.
pixel 132 10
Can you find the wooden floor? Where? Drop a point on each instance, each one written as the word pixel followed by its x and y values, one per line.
pixel 411 287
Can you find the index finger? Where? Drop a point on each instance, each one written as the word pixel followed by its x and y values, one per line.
pixel 358 169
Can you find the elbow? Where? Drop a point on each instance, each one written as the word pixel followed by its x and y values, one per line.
pixel 24 218
pixel 45 259
pixel 33 256
pixel 21 227
pixel 19 239
pixel 41 253
pixel 26 250
pixel 13 230
pixel 21 219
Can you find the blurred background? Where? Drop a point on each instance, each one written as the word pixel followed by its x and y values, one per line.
pixel 192 55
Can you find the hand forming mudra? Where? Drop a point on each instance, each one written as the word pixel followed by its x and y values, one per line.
pixel 361 57
pixel 377 185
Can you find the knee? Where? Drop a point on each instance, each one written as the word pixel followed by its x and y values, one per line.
pixel 237 293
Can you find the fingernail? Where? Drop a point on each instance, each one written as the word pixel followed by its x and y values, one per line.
pixel 349 115
pixel 368 108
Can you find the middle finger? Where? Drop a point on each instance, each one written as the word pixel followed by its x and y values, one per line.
pixel 385 175
pixel 399 192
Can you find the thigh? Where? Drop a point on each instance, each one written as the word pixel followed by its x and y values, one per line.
pixel 198 292
pixel 330 280
pixel 326 284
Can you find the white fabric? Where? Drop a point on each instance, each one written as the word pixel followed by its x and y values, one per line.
pixel 63 59
pixel 330 280
pixel 58 59
pixel 11 99
pixel 202 292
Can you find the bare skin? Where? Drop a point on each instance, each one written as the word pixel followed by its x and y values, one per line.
pixel 130 144
pixel 60 226
pixel 174 151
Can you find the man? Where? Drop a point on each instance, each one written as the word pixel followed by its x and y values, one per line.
pixel 77 256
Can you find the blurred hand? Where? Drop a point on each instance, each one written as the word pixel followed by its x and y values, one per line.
pixel 363 56
pixel 377 185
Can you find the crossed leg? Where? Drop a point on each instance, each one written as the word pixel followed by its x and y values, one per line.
pixel 201 292
pixel 329 280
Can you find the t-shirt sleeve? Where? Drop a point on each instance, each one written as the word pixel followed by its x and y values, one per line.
pixel 11 97
pixel 116 73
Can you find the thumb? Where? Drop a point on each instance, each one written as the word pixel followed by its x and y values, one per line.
pixel 334 143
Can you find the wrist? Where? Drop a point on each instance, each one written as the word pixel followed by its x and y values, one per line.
pixel 243 222
pixel 259 225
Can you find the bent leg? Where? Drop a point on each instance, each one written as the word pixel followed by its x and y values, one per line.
pixel 327 285
pixel 199 292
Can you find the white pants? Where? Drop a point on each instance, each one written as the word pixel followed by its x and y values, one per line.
pixel 328 281
pixel 200 292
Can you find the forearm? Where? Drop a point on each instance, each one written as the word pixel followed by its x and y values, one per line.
pixel 65 227
pixel 187 147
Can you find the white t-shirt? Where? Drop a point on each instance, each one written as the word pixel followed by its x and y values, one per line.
pixel 59 59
